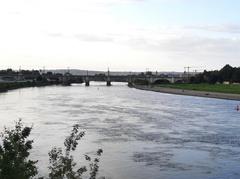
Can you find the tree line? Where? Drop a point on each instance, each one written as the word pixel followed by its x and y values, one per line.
pixel 226 74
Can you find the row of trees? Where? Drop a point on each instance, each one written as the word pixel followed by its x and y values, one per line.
pixel 227 73
pixel 37 75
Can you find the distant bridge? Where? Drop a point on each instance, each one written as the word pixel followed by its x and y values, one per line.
pixel 108 79
pixel 114 78
pixel 68 78
pixel 157 79
pixel 123 78
pixel 149 79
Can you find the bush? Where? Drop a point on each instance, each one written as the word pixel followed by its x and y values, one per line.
pixel 14 153
pixel 62 164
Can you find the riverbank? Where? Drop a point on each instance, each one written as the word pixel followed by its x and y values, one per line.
pixel 4 87
pixel 207 94
pixel 219 88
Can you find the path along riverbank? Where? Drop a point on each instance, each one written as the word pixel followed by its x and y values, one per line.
pixel 218 95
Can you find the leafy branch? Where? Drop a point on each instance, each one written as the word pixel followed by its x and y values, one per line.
pixel 14 153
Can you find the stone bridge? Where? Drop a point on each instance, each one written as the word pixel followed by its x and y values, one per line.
pixel 68 79
pixel 107 79
pixel 157 79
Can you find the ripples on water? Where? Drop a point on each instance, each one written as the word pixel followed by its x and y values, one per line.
pixel 143 134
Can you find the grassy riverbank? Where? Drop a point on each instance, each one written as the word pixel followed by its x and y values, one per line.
pixel 16 85
pixel 230 92
pixel 220 88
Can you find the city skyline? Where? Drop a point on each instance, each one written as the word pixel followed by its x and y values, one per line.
pixel 124 35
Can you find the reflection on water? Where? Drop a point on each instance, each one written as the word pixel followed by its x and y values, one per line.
pixel 143 134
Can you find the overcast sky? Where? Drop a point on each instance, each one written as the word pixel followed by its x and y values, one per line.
pixel 125 35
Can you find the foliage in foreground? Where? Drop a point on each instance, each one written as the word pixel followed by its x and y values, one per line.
pixel 62 163
pixel 14 153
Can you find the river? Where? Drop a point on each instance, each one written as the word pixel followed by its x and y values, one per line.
pixel 144 135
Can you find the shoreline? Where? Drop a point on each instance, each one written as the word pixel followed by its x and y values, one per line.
pixel 5 87
pixel 176 91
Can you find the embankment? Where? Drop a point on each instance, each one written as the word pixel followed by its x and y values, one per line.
pixel 4 87
pixel 218 95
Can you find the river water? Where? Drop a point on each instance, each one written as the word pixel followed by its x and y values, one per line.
pixel 144 135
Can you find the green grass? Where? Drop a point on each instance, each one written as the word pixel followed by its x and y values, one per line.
pixel 234 89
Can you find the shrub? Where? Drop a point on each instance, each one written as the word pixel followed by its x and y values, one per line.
pixel 14 153
pixel 62 163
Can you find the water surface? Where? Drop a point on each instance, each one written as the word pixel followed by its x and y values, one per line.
pixel 143 134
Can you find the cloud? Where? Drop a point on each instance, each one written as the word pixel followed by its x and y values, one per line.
pixel 94 38
pixel 226 28
pixel 169 40
pixel 111 2
pixel 190 45
pixel 55 34
pixel 193 50
pixel 59 28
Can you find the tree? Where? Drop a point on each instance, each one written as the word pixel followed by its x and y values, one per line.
pixel 236 75
pixel 226 73
pixel 14 152
pixel 62 164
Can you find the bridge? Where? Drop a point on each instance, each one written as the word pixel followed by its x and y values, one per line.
pixel 131 79
pixel 103 77
pixel 159 79
pixel 156 79
pixel 108 78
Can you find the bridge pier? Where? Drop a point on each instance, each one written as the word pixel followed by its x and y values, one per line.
pixel 66 81
pixel 109 83
pixel 87 83
pixel 108 79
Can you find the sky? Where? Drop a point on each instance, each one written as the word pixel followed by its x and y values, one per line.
pixel 124 35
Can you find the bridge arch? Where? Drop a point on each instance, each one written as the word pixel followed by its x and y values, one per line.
pixel 161 81
pixel 179 81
